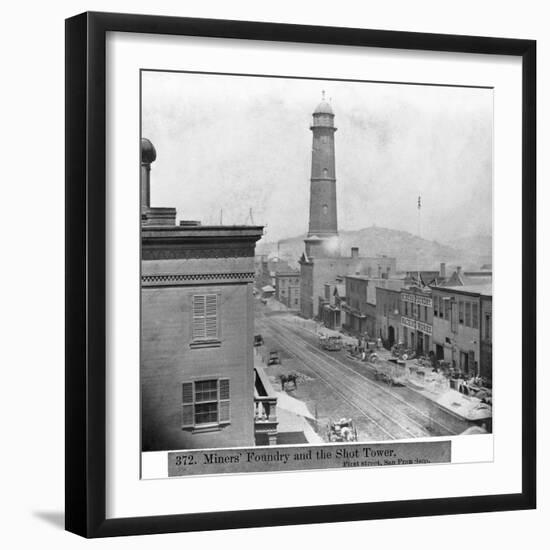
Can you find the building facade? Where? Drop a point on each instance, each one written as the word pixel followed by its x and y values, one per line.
pixel 315 272
pixel 330 305
pixel 267 269
pixel 417 319
pixel 388 316
pixel 362 314
pixel 197 371
pixel 486 337
pixel 287 289
pixel 459 326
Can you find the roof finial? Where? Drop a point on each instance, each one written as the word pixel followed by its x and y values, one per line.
pixel 323 95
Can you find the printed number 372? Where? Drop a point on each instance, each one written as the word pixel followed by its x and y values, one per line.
pixel 184 460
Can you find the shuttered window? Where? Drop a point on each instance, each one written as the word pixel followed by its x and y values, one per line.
pixel 205 317
pixel 475 316
pixel 205 402
pixel 188 419
pixel 468 316
pixel 447 309
pixel 225 409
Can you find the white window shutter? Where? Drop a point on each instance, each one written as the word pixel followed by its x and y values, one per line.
pixel 205 317
pixel 199 316
pixel 225 407
pixel 188 407
pixel 211 316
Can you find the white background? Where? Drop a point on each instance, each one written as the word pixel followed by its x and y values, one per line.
pixel 126 494
pixel 32 274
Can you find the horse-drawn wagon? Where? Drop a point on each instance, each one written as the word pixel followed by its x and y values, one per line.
pixel 330 342
pixel 342 430
pixel 393 373
pixel 274 357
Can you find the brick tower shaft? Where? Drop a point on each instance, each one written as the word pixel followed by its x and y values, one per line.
pixel 323 221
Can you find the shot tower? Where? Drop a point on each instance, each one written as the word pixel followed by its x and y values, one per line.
pixel 323 222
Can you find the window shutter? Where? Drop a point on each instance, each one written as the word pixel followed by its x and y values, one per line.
pixel 211 316
pixel 188 408
pixel 225 408
pixel 199 310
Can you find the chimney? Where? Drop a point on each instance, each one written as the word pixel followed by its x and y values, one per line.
pixel 158 216
pixel 442 270
pixel 355 252
pixel 148 156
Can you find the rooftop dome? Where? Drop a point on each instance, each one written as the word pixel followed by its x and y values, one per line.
pixel 323 108
pixel 148 152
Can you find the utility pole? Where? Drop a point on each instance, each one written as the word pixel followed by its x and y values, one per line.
pixel 419 212
pixel 419 209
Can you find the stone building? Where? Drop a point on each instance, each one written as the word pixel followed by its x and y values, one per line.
pixel 417 315
pixel 361 303
pixel 330 304
pixel 486 336
pixel 315 272
pixel 388 316
pixel 287 288
pixel 197 327
pixel 266 270
pixel 462 320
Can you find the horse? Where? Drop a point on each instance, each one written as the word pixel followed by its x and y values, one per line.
pixel 285 378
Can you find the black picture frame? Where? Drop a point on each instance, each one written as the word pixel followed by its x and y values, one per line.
pixel 86 272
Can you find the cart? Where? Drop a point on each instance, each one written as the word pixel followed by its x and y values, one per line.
pixel 274 357
pixel 258 340
pixel 330 343
pixel 342 430
pixel 394 374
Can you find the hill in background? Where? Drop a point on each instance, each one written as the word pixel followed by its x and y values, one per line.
pixel 411 251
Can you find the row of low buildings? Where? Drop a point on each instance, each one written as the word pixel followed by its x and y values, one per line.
pixel 449 318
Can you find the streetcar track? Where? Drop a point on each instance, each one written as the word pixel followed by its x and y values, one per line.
pixel 328 372
pixel 338 379
pixel 331 386
pixel 373 384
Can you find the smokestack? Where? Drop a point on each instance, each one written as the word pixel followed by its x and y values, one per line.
pixel 148 156
pixel 442 270
pixel 355 252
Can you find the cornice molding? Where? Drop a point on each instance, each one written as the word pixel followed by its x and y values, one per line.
pixel 185 279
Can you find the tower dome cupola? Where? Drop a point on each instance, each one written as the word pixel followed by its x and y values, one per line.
pixel 324 108
pixel 323 116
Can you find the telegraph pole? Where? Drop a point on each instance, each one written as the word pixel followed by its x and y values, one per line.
pixel 419 210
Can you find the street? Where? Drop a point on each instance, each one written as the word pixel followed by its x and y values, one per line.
pixel 334 385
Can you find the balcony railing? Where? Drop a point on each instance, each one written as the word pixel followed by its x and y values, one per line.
pixel 265 406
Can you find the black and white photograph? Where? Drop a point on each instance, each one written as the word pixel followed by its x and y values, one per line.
pixel 316 267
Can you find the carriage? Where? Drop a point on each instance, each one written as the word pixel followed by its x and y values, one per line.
pixel 342 430
pixel 274 357
pixel 258 340
pixel 330 343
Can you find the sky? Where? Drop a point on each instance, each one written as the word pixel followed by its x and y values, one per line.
pixel 235 143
